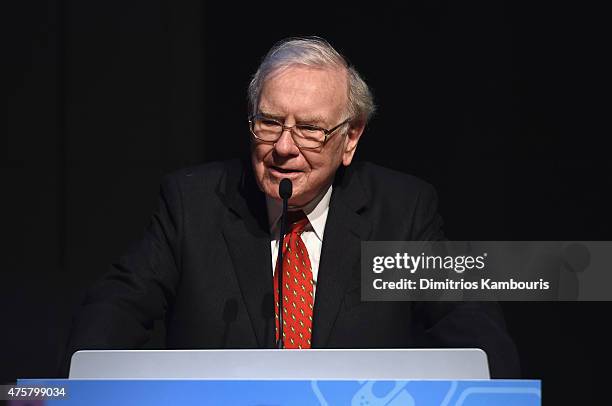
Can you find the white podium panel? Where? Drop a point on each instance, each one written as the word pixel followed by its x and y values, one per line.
pixel 348 364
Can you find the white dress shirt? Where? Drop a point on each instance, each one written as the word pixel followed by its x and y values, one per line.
pixel 316 211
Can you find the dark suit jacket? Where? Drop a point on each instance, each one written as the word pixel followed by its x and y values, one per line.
pixel 204 267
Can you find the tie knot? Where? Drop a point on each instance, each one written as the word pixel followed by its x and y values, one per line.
pixel 296 221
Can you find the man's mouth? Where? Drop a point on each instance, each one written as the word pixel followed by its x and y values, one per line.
pixel 284 170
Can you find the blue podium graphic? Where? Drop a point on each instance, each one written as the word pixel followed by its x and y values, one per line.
pixel 294 392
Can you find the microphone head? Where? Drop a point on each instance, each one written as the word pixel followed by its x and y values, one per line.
pixel 285 189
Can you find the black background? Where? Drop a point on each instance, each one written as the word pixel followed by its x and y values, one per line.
pixel 497 104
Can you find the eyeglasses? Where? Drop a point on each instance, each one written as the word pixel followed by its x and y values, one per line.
pixel 305 136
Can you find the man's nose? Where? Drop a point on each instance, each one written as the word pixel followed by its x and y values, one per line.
pixel 285 146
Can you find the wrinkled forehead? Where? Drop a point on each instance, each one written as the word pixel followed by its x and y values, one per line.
pixel 317 91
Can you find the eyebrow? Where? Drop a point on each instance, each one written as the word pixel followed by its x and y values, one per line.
pixel 303 120
pixel 270 115
pixel 311 120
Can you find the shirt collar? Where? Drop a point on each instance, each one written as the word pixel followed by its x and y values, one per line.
pixel 316 211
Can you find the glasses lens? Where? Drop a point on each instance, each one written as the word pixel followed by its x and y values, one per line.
pixel 266 129
pixel 309 136
pixel 305 136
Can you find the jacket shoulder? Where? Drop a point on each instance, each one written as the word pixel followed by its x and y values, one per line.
pixel 204 176
pixel 209 170
pixel 378 180
pixel 402 206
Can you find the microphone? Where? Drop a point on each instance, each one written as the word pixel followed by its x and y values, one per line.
pixel 285 190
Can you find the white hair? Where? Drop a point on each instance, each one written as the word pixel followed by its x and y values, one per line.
pixel 317 52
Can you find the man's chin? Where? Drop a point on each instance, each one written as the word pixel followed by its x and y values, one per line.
pixel 296 200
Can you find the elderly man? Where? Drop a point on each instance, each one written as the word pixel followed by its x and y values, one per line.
pixel 206 265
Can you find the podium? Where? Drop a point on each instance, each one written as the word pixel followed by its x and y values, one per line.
pixel 351 364
pixel 286 377
pixel 299 392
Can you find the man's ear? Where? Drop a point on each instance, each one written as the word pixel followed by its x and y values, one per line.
pixel 352 139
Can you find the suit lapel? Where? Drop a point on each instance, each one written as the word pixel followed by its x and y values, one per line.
pixel 341 252
pixel 246 232
pixel 247 236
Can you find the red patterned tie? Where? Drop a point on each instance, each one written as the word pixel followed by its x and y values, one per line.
pixel 298 285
